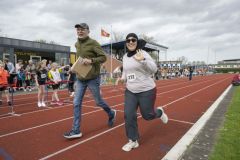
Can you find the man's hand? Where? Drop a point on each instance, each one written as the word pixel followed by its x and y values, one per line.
pixel 139 55
pixel 87 61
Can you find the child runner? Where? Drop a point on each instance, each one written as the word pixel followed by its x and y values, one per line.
pixel 54 77
pixel 40 78
pixel 3 82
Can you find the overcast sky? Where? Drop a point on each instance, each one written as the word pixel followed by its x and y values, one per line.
pixel 187 27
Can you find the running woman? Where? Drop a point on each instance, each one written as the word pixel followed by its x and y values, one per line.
pixel 138 68
pixel 41 78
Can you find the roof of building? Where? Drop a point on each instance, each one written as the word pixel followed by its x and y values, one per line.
pixel 231 60
pixel 25 44
pixel 149 45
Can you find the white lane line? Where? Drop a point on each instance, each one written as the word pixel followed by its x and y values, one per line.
pixel 184 87
pixel 109 88
pixel 64 98
pixel 93 137
pixel 89 95
pixel 179 148
pixel 27 129
pixel 105 98
pixel 170 119
pixel 50 123
pixel 60 107
pixel 81 142
pixel 180 121
pixel 193 93
pixel 62 92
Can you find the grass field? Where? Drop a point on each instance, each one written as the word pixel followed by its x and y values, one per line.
pixel 227 146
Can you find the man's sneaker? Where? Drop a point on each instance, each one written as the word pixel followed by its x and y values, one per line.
pixel 130 145
pixel 39 104
pixel 72 135
pixel 163 117
pixel 43 104
pixel 112 119
pixel 72 95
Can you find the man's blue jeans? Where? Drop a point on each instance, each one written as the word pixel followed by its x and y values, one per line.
pixel 81 87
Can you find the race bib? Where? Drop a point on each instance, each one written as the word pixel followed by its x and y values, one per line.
pixel 43 76
pixel 131 77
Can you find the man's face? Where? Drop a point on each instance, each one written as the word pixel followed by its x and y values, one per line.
pixel 82 33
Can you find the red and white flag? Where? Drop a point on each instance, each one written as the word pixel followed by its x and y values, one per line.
pixel 104 33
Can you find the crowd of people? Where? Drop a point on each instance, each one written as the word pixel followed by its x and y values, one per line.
pixel 41 75
pixel 176 72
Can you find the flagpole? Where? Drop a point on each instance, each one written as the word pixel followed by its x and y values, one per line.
pixel 101 35
pixel 111 52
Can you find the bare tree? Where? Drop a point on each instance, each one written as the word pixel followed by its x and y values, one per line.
pixel 45 41
pixel 147 38
pixel 117 37
pixel 41 40
pixel 2 34
pixel 183 59
pixel 203 63
pixel 154 55
pixel 194 63
pixel 53 42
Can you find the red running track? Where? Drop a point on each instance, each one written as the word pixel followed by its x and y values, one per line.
pixel 37 132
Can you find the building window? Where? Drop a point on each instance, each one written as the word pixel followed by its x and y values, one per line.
pixel 62 58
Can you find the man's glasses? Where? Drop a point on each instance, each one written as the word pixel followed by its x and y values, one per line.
pixel 131 39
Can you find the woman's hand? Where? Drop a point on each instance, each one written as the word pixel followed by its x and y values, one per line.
pixel 139 55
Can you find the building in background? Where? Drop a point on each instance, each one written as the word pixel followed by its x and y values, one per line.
pixel 225 66
pixel 170 64
pixel 15 49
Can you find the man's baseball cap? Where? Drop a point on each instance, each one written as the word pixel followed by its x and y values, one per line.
pixel 82 25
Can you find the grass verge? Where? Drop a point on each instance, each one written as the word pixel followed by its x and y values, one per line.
pixel 227 146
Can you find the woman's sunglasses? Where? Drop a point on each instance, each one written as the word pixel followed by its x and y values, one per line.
pixel 132 39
